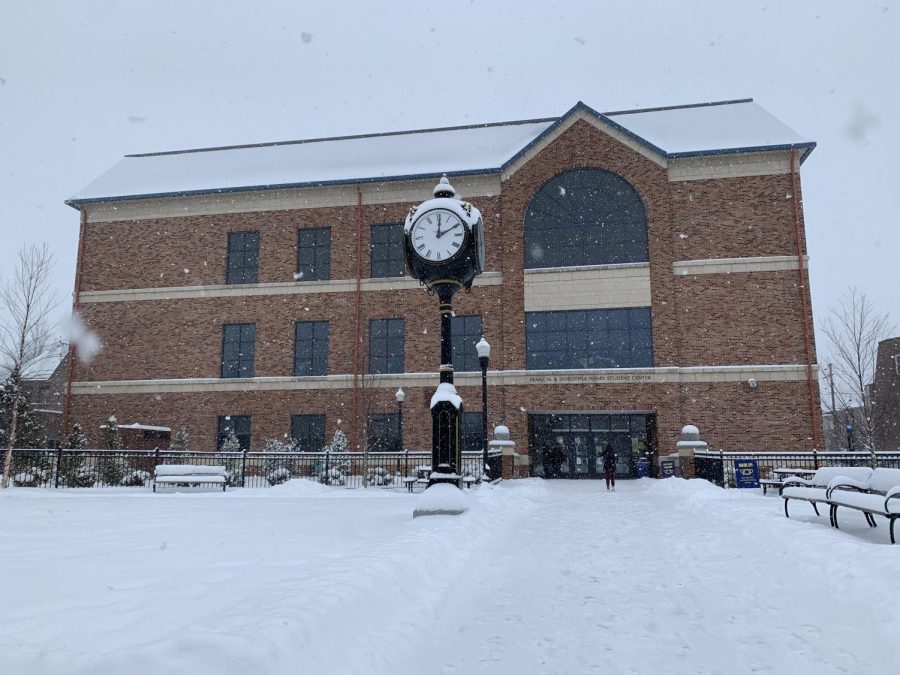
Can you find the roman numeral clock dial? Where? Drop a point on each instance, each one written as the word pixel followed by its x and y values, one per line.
pixel 438 235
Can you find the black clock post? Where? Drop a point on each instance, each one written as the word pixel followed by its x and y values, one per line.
pixel 444 248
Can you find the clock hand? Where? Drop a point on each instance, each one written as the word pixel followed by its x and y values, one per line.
pixel 441 234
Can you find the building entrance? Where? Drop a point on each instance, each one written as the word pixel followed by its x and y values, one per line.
pixel 569 445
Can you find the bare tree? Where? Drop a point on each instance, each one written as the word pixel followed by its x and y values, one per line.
pixel 854 330
pixel 26 344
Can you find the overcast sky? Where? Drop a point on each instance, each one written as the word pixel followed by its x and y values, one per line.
pixel 83 83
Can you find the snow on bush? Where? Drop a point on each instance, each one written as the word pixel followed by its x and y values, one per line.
pixel 278 468
pixel 112 470
pixel 379 476
pixel 279 476
pixel 31 477
pixel 136 478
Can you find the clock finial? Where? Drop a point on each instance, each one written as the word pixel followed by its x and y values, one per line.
pixel 444 189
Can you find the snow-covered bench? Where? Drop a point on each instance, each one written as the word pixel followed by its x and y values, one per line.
pixel 878 494
pixel 814 490
pixel 188 474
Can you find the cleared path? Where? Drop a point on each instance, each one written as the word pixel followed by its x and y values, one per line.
pixel 668 581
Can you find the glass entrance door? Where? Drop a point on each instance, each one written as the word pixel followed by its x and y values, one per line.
pixel 570 445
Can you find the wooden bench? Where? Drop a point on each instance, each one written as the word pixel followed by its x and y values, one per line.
pixel 188 474
pixel 814 490
pixel 879 495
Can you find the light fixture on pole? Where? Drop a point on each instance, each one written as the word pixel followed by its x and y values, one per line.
pixel 484 354
pixel 400 395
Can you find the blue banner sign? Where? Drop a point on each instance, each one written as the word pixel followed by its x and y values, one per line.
pixel 666 468
pixel 746 473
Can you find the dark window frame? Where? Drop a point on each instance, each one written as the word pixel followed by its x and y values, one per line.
pixel 383 352
pixel 585 339
pixel 466 330
pixel 382 432
pixel 242 258
pixel 238 361
pixel 242 426
pixel 310 348
pixel 582 217
pixel 386 255
pixel 308 432
pixel 313 254
pixel 471 429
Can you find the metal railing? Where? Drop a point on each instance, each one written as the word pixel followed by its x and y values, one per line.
pixel 50 468
pixel 717 466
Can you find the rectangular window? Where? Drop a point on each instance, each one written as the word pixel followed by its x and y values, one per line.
pixel 314 254
pixel 308 432
pixel 386 345
pixel 471 431
pixel 243 258
pixel 238 347
pixel 383 432
pixel 387 250
pixel 597 338
pixel 311 348
pixel 466 332
pixel 239 424
pixel 897 364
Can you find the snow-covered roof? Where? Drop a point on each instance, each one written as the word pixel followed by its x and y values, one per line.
pixel 710 129
pixel 139 427
pixel 713 128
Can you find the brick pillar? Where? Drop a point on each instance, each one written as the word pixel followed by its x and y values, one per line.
pixel 690 442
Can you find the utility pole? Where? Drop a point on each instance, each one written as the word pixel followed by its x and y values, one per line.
pixel 834 431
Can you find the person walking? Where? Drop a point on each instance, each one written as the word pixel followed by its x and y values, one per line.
pixel 609 466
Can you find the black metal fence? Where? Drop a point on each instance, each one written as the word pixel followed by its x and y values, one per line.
pixel 134 468
pixel 718 466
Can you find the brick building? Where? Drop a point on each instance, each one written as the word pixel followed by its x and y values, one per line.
pixel 886 395
pixel 645 270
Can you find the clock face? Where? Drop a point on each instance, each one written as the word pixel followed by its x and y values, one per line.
pixel 438 235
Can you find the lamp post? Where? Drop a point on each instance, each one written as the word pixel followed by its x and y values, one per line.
pixel 400 395
pixel 484 354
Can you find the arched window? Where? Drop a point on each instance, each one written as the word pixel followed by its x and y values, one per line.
pixel 585 217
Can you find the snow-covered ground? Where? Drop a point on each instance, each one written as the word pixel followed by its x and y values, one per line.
pixel 666 576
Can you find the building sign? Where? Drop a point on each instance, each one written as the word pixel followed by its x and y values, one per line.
pixel 587 378
pixel 666 468
pixel 746 473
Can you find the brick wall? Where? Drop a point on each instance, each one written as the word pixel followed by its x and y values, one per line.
pixel 698 319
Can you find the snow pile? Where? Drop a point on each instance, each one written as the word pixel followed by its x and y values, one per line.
pixel 300 487
pixel 441 499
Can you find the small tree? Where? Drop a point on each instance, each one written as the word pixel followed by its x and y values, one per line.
pixel 180 440
pixel 71 470
pixel 231 443
pixel 112 437
pixel 854 330
pixel 76 438
pixel 26 303
pixel 29 432
pixel 277 469
pixel 338 443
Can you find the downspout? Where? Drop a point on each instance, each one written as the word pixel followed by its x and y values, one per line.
pixel 357 316
pixel 76 304
pixel 804 300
